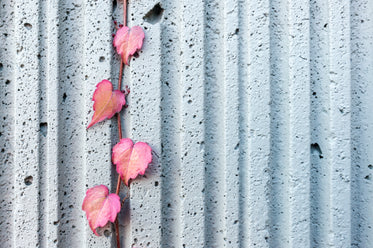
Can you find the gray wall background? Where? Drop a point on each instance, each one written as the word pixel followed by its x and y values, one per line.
pixel 260 114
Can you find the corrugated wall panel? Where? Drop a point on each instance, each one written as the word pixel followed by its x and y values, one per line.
pixel 259 114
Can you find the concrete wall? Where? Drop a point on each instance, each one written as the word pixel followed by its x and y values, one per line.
pixel 260 114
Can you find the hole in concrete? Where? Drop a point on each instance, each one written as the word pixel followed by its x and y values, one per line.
pixel 154 15
pixel 237 146
pixel 64 97
pixel 44 128
pixel 315 149
pixel 107 233
pixel 27 25
pixel 28 180
pixel 1 66
pixel 7 82
pixel 102 59
pixel 105 230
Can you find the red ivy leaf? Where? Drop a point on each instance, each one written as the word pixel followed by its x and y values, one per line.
pixel 128 41
pixel 100 207
pixel 131 160
pixel 107 102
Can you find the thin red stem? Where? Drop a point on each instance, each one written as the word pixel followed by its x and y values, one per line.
pixel 120 74
pixel 118 115
pixel 125 198
pixel 119 121
pixel 117 232
pixel 120 137
pixel 125 12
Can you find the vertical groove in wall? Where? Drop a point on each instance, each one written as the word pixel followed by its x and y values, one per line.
pixel 340 123
pixel 299 126
pixel 170 134
pixel 88 108
pixel 214 51
pixel 361 123
pixel 7 121
pixel 231 138
pixel 50 128
pixel 42 99
pixel 320 148
pixel 243 121
pixel 279 161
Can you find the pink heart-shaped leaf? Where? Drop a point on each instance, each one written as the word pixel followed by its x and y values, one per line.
pixel 131 160
pixel 107 102
pixel 128 41
pixel 100 207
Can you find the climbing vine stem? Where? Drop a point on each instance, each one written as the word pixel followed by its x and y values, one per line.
pixel 120 124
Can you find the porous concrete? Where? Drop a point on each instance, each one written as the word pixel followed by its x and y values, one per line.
pixel 259 114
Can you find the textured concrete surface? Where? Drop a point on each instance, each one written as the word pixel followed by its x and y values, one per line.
pixel 259 114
